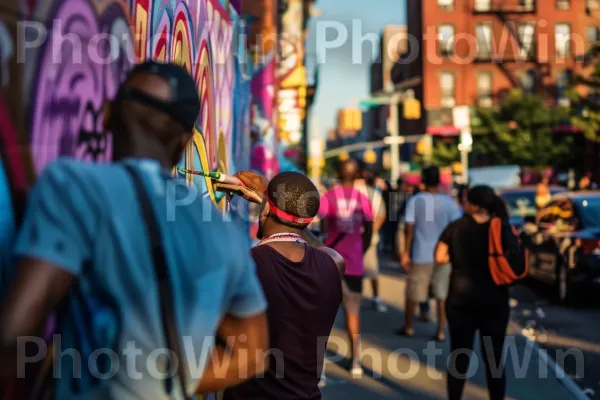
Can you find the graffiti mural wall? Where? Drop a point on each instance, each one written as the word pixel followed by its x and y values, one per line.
pixel 58 86
pixel 291 99
pixel 262 28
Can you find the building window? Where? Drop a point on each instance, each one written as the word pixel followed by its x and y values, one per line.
pixel 563 81
pixel 592 5
pixel 527 5
pixel 446 39
pixel 483 32
pixel 483 5
pixel 448 88
pixel 484 89
pixel 527 80
pixel 562 37
pixel 446 5
pixel 593 35
pixel 563 5
pixel 527 38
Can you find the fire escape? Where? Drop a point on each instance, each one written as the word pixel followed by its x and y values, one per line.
pixel 509 12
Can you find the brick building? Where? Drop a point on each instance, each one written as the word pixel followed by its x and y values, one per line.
pixel 470 52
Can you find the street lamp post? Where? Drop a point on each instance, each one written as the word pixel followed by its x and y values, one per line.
pixel 465 146
pixel 394 129
pixel 393 100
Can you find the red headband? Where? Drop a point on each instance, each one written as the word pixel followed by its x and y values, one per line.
pixel 285 216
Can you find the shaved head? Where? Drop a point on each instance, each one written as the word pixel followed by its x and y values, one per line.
pixel 295 194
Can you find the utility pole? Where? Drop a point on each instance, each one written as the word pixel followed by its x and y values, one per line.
pixel 462 120
pixel 401 94
pixel 394 130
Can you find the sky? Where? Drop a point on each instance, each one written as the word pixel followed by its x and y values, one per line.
pixel 343 82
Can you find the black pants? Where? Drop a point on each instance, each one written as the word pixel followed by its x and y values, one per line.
pixel 463 322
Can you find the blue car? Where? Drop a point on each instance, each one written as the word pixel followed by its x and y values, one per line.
pixel 521 203
pixel 564 249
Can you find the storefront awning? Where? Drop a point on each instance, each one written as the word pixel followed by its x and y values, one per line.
pixel 566 129
pixel 448 130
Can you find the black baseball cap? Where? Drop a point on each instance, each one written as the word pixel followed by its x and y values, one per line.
pixel 430 176
pixel 184 105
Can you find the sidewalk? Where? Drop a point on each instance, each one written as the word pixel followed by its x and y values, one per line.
pixel 413 368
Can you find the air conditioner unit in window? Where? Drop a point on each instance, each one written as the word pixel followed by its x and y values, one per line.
pixel 564 102
pixel 486 102
pixel 447 102
pixel 446 5
pixel 483 5
pixel 563 4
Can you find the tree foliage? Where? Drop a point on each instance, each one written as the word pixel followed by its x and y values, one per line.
pixel 522 131
pixel 585 98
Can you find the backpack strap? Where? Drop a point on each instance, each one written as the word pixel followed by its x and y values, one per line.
pixel 337 240
pixel 500 269
pixel 165 291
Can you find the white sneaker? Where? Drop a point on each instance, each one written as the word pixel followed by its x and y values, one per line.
pixel 356 371
pixel 380 306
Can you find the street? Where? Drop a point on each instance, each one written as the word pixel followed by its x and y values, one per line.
pixel 560 329
pixel 412 368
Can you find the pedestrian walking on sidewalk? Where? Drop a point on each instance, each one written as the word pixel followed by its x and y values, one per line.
pixel 476 301
pixel 302 281
pixel 371 258
pixel 99 248
pixel 348 221
pixel 426 216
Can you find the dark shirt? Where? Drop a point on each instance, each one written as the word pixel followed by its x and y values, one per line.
pixel 471 283
pixel 303 299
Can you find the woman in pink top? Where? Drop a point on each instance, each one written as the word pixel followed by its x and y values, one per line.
pixel 348 221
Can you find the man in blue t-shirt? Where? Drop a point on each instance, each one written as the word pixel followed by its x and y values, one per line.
pixel 427 215
pixel 83 251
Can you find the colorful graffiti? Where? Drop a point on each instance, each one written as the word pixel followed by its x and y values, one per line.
pixel 261 16
pixel 70 77
pixel 59 90
pixel 291 99
pixel 198 36
pixel 71 87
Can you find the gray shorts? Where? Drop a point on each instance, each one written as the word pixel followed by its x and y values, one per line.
pixel 421 276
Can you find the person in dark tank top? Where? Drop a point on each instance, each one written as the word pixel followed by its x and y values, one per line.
pixel 302 282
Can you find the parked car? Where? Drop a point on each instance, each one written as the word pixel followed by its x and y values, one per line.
pixel 521 203
pixel 564 248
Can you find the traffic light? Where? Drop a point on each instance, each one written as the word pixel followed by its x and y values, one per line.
pixel 412 109
pixel 344 156
pixel 370 157
pixel 424 145
pixel 457 168
pixel 350 119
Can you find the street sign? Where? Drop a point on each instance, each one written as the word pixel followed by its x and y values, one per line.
pixel 370 103
pixel 462 117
